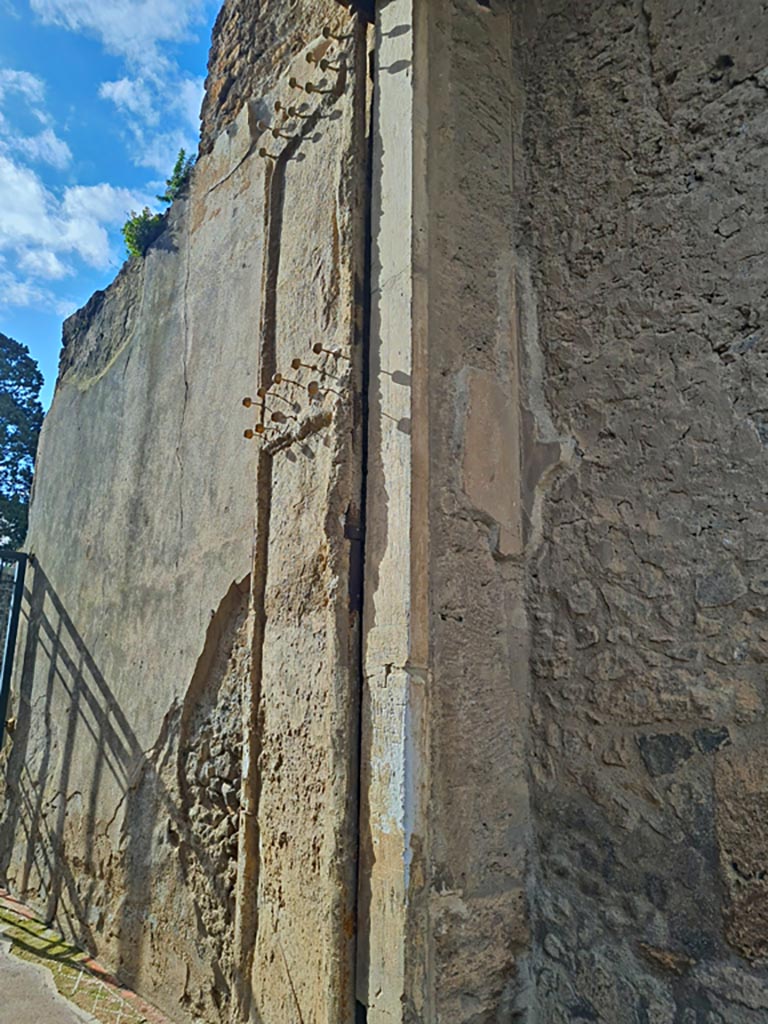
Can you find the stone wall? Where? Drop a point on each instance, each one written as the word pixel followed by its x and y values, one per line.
pixel 527 783
pixel 181 789
pixel 254 42
pixel 641 196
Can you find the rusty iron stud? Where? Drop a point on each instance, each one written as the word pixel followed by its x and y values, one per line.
pixel 314 390
pixel 258 431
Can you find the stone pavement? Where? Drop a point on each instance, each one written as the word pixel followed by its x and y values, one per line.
pixel 46 980
pixel 28 994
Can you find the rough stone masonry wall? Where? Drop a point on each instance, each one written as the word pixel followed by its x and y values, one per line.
pixel 642 182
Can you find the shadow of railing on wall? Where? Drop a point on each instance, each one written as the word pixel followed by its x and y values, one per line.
pixel 69 864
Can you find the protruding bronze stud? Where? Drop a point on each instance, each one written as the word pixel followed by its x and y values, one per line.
pixel 281 417
pixel 248 403
pixel 295 83
pixel 314 390
pixel 264 127
pixel 325 65
pixel 266 154
pixel 327 34
pixel 319 348
pixel 258 431
pixel 310 88
pixel 280 379
pixel 296 364
pixel 295 112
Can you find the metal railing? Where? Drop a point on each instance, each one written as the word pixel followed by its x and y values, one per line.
pixel 13 566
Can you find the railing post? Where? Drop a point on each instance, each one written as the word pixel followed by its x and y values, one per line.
pixel 11 633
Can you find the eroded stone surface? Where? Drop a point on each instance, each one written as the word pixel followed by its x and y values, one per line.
pixel 254 43
pixel 642 184
pixel 742 817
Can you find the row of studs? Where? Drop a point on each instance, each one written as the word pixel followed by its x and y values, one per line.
pixel 278 417
pixel 314 390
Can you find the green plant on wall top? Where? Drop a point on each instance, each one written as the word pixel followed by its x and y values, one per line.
pixel 141 229
pixel 179 178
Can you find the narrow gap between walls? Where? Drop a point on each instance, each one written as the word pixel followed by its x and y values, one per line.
pixel 361 1010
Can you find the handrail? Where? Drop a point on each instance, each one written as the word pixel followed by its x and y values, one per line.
pixel 11 633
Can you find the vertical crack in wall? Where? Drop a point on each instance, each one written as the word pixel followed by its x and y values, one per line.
pixel 363 302
pixel 246 909
pixel 185 381
pixel 246 917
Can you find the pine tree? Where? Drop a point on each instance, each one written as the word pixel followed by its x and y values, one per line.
pixel 21 417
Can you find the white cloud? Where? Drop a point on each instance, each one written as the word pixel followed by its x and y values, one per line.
pixel 155 91
pixel 189 100
pixel 46 148
pixel 15 292
pixel 40 232
pixel 142 99
pixel 66 307
pixel 128 28
pixel 47 233
pixel 39 263
pixel 133 96
pixel 24 83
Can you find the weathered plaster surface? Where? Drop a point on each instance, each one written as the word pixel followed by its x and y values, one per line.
pixel 479 816
pixel 136 543
pixel 182 785
pixel 641 191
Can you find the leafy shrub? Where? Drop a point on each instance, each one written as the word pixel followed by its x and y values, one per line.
pixel 179 177
pixel 141 229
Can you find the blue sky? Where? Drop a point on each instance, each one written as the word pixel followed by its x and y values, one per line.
pixel 96 99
